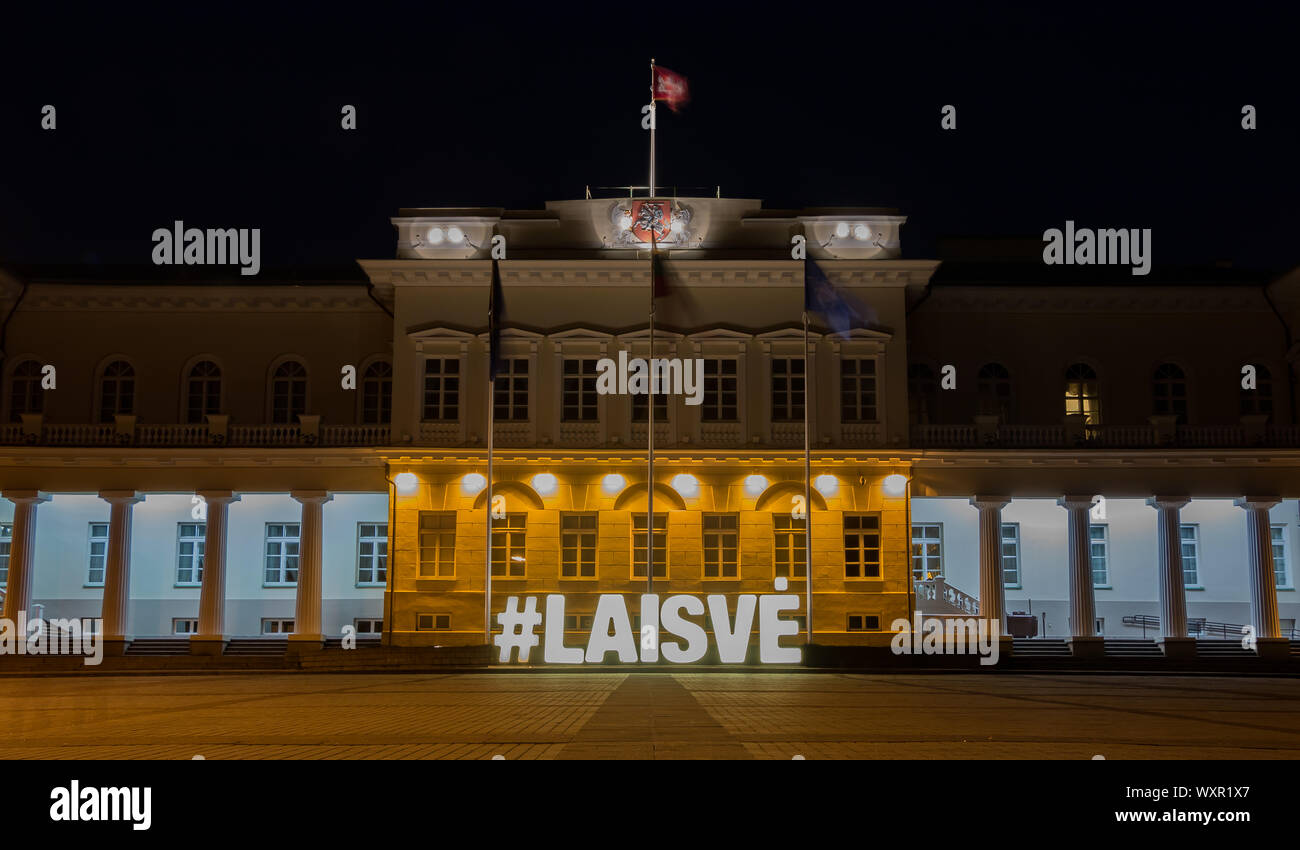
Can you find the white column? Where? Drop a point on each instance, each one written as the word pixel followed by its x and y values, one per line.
pixel 992 582
pixel 1169 566
pixel 22 550
pixel 1259 553
pixel 306 625
pixel 117 566
pixel 212 596
pixel 1083 611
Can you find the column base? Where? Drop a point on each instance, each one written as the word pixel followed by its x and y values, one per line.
pixel 208 644
pixel 301 644
pixel 1087 647
pixel 116 645
pixel 1273 649
pixel 1177 647
pixel 1006 647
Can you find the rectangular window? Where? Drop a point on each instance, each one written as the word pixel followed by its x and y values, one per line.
pixel 441 389
pixel 578 402
pixel 1098 552
pixel 790 552
pixel 369 628
pixel 660 552
pixel 372 553
pixel 787 389
pixel 6 540
pixel 721 391
pixel 438 544
pixel 575 622
pixel 858 390
pixel 190 537
pixel 864 623
pixel 510 391
pixel 641 406
pixel 277 627
pixel 1011 554
pixel 1277 533
pixel 721 544
pixel 862 545
pixel 578 545
pixel 1189 540
pixel 432 622
pixel 927 550
pixel 509 535
pixel 185 626
pixel 281 553
pixel 98 557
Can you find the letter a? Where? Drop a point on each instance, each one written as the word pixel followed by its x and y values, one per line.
pixel 948 377
pixel 949 120
pixel 1248 377
pixel 47 377
pixel 1248 117
pixel 498 247
pixel 349 377
pixel 47 117
pixel 1054 253
pixel 349 117
pixel 799 251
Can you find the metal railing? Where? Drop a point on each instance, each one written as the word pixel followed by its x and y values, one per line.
pixel 184 435
pixel 1199 627
pixel 1103 436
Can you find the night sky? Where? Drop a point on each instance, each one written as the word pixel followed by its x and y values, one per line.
pixel 228 116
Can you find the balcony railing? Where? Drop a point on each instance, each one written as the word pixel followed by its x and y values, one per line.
pixel 178 436
pixel 1103 437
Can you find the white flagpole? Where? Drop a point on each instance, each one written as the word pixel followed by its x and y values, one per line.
pixel 807 480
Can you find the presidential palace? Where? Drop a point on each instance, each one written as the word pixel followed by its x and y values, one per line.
pixel 1082 454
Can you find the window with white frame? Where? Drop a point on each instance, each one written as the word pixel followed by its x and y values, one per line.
pixel 863 623
pixel 372 553
pixel 509 544
pixel 510 391
pixel 1277 535
pixel 660 552
pixel 579 401
pixel 787 389
pixel 185 626
pixel 578 545
pixel 927 550
pixel 437 544
pixel 277 626
pixel 789 546
pixel 98 553
pixel 862 545
pixel 1190 544
pixel 1011 554
pixel 721 390
pixel 368 627
pixel 190 538
pixel 721 536
pixel 1099 553
pixel 858 389
pixel 442 389
pixel 281 553
pixel 6 540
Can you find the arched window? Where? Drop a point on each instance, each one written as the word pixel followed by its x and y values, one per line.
pixel 25 394
pixel 1082 393
pixel 1259 401
pixel 1169 391
pixel 116 390
pixel 993 385
pixel 288 392
pixel 202 391
pixel 923 394
pixel 377 393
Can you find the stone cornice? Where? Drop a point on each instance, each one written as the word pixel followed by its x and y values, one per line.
pixel 76 298
pixel 1093 299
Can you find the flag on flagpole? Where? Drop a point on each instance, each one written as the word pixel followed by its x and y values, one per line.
pixel 671 88
pixel 659 279
pixel 496 312
pixel 840 310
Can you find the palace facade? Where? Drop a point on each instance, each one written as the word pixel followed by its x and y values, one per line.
pixel 208 459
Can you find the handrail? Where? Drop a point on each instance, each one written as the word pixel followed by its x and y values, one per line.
pixel 1196 626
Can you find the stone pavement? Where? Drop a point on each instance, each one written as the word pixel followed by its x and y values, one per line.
pixel 647 715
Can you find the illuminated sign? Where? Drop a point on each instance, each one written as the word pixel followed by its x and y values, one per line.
pixel 665 630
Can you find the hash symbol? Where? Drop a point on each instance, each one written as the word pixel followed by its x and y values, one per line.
pixel 517 628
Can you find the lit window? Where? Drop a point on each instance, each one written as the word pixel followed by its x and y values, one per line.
pixel 862 545
pixel 1082 393
pixel 639 545
pixel 372 553
pixel 790 546
pixel 927 550
pixel 190 539
pixel 509 539
pixel 438 544
pixel 721 541
pixel 578 545
pixel 281 553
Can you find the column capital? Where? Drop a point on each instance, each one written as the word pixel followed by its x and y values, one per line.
pixel 1077 501
pixel 1170 502
pixel 217 497
pixel 1258 503
pixel 126 497
pixel 311 497
pixel 28 497
pixel 996 503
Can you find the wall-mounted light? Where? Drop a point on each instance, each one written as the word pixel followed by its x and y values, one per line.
pixel 827 485
pixel 688 486
pixel 613 483
pixel 545 483
pixel 406 482
pixel 472 484
pixel 436 236
pixel 755 484
pixel 455 235
pixel 842 229
pixel 894 485
pixel 861 232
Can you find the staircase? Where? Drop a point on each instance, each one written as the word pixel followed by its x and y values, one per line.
pixel 1223 649
pixel 1039 648
pixel 159 646
pixel 936 596
pixel 257 646
pixel 1132 648
pixel 362 642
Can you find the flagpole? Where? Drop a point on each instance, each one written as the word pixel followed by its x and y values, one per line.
pixel 807 479
pixel 491 423
pixel 650 431
pixel 652 153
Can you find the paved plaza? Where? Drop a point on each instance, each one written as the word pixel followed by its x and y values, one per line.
pixel 647 715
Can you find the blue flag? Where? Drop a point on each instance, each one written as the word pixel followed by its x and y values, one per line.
pixel 496 312
pixel 839 310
